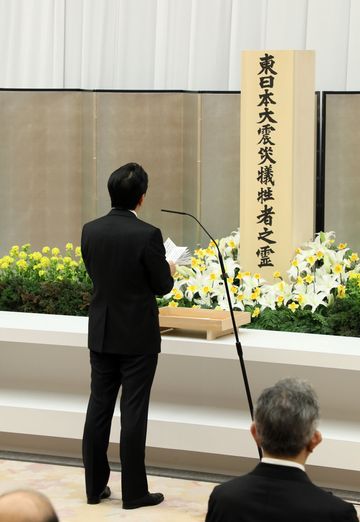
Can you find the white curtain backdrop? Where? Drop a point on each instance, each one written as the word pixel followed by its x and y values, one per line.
pixel 170 44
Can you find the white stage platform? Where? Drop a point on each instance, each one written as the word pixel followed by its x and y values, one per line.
pixel 198 400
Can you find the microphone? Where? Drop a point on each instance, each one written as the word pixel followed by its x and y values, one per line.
pixel 236 333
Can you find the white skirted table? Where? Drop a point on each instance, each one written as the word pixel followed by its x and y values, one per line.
pixel 198 402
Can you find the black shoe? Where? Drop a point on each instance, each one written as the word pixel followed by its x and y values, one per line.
pixel 151 499
pixel 96 500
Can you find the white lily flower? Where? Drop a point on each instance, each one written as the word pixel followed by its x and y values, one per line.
pixel 326 282
pixel 314 299
pixel 297 267
pixel 267 300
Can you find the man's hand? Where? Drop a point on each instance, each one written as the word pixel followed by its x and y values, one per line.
pixel 172 267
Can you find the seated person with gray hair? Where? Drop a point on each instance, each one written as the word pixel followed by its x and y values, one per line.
pixel 278 489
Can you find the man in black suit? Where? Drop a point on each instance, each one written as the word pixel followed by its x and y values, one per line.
pixel 278 489
pixel 125 259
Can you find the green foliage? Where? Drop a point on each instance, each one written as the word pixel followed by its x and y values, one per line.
pixel 64 297
pixel 344 314
pixel 284 320
pixel 47 282
pixel 44 282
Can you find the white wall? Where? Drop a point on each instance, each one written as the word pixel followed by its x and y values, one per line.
pixel 170 44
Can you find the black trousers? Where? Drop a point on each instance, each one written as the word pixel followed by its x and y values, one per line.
pixel 135 375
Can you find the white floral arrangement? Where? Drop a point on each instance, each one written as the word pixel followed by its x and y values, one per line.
pixel 318 273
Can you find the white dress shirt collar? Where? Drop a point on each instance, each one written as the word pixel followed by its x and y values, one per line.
pixel 283 462
pixel 129 209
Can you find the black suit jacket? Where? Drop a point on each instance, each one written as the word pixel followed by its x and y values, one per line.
pixel 272 493
pixel 125 258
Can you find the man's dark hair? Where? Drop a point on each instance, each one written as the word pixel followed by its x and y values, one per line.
pixel 126 185
pixel 286 417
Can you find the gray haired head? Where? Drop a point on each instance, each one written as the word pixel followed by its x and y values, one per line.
pixel 286 417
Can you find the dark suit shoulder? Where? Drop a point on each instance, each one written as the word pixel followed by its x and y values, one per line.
pixel 273 493
pixel 122 219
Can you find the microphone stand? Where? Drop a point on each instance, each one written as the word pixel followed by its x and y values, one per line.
pixel 236 333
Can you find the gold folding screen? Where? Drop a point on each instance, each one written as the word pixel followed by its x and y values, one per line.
pixel 342 160
pixel 58 148
pixel 40 167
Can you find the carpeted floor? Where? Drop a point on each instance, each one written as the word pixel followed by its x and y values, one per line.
pixel 185 500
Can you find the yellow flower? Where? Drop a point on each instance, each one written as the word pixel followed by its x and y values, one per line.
pixel 178 295
pixel 298 250
pixel 311 260
pixel 45 250
pixel 337 269
pixel 23 255
pixel 69 246
pixel 213 276
pixel 300 281
pixel 354 257
pixel 231 243
pixel 199 252
pixel 22 264
pixel 4 265
pixel 255 312
pixel 45 262
pixel 173 304
pixel 240 297
pixel 230 280
pixel 257 276
pixel 60 267
pixel 78 251
pixel 55 251
pixel 277 275
pixel 319 254
pixel 36 256
pixel 341 290
pixel 247 274
pixel 8 259
pixel 293 306
pixel 194 262
pixel 309 279
pixel 300 298
pixel 67 260
pixel 256 293
pixel 26 246
pixel 354 275
pixel 41 273
pixel 281 286
pixel 295 262
pixel 234 289
pixel 240 275
pixel 206 289
pixel 210 251
pixel 74 264
pixel 192 288
pixel 280 299
pixel 14 251
pixel 341 246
